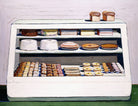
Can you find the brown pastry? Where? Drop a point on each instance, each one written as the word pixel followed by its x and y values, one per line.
pixel 109 46
pixel 69 45
pixel 108 16
pixel 20 73
pixel 29 32
pixel 95 16
pixel 110 67
pixel 90 46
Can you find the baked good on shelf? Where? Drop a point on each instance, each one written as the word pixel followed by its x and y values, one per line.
pixel 64 32
pixel 28 45
pixel 110 67
pixel 86 32
pixel 87 68
pixel 49 44
pixel 105 32
pixel 120 67
pixel 99 73
pixel 71 69
pixel 69 46
pixel 95 16
pixel 108 15
pixel 109 46
pixel 96 64
pixel 20 73
pixel 105 67
pixel 18 70
pixel 116 67
pixel 88 73
pixel 49 32
pixel 90 46
pixel 29 32
pixel 86 64
pixel 95 69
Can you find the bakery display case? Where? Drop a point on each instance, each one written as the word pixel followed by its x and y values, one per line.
pixel 68 60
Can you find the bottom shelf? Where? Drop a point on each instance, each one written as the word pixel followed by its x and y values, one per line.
pixel 36 69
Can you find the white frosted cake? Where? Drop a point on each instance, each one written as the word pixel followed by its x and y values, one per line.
pixel 28 44
pixel 49 44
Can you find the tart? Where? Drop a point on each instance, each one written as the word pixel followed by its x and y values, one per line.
pixel 109 46
pixel 90 46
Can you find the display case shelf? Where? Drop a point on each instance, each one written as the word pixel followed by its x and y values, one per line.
pixel 115 35
pixel 119 50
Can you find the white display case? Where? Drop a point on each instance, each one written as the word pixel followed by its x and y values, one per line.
pixel 111 86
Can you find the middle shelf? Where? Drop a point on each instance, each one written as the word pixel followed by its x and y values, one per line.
pixel 118 50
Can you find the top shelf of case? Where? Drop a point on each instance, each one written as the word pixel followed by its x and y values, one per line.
pixel 64 21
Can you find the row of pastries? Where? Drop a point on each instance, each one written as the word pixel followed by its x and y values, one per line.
pixel 36 69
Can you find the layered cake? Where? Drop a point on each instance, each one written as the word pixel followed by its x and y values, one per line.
pixel 95 16
pixel 69 46
pixel 29 32
pixel 87 32
pixel 90 46
pixel 109 46
pixel 108 15
pixel 49 44
pixel 104 32
pixel 68 32
pixel 49 32
pixel 28 45
pixel 72 71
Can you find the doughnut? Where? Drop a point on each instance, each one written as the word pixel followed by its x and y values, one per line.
pixel 97 69
pixel 96 64
pixel 88 73
pixel 87 69
pixel 98 73
pixel 86 64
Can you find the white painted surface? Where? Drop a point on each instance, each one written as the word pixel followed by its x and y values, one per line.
pixel 11 10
